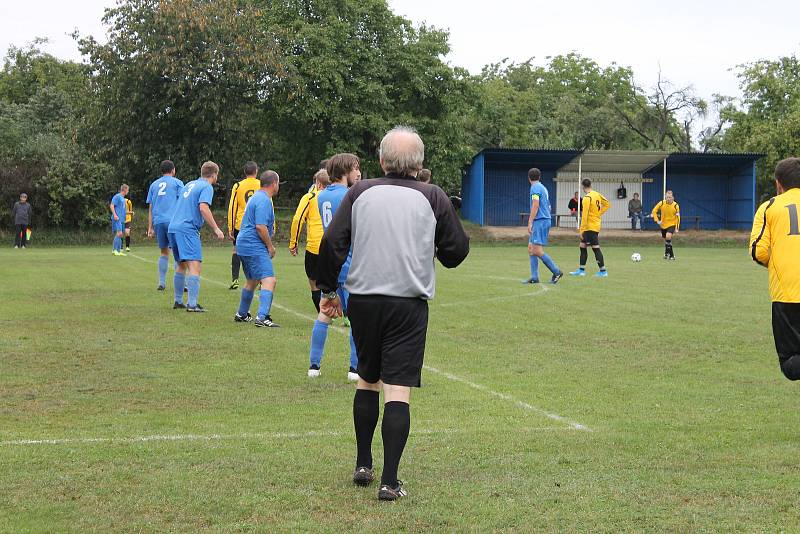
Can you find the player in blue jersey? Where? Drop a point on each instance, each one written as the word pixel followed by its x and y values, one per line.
pixel 344 170
pixel 255 249
pixel 162 197
pixel 539 222
pixel 117 207
pixel 191 211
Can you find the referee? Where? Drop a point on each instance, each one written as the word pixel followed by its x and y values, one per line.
pixel 775 244
pixel 395 226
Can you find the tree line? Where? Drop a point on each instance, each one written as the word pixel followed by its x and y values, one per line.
pixel 287 82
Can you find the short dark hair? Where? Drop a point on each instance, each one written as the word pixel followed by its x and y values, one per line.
pixel 268 178
pixel 250 168
pixel 341 164
pixel 787 172
pixel 534 174
pixel 424 176
pixel 636 194
pixel 166 167
pixel 586 182
pixel 323 163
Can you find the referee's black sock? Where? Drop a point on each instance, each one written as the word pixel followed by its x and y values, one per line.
pixel 598 255
pixel 366 408
pixel 396 424
pixel 236 263
pixel 316 295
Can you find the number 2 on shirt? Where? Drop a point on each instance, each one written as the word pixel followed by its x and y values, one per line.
pixel 162 189
pixel 188 190
pixel 327 214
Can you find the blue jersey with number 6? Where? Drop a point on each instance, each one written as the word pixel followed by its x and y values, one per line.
pixel 328 202
pixel 187 217
pixel 163 197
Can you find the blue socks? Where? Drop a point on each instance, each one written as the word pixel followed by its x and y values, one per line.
pixel 179 280
pixel 550 264
pixel 117 244
pixel 318 336
pixel 353 355
pixel 193 283
pixel 163 266
pixel 534 267
pixel 264 303
pixel 244 304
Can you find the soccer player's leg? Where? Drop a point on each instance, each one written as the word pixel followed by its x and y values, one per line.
pixel 162 236
pixel 668 252
pixel 352 373
pixel 179 280
pixel 236 263
pixel 403 330
pixel 127 237
pixel 311 261
pixel 117 228
pixel 366 402
pixel 266 274
pixel 191 253
pixel 319 335
pixel 541 233
pixel 248 292
pixel 785 330
pixel 534 259
pixel 583 258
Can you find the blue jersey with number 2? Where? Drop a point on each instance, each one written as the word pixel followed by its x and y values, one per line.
pixel 328 201
pixel 162 197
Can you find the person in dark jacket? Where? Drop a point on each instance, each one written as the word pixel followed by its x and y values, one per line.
pixel 21 215
pixel 396 226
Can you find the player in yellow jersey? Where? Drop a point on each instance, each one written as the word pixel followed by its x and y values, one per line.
pixel 593 206
pixel 240 194
pixel 667 215
pixel 308 213
pixel 128 219
pixel 775 244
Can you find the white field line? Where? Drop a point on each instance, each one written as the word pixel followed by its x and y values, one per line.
pixel 265 436
pixel 542 290
pixel 504 396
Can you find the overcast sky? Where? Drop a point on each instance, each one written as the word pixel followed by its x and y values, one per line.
pixel 694 42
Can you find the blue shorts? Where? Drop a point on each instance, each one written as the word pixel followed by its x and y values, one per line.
pixel 117 226
pixel 162 234
pixel 345 296
pixel 541 229
pixel 186 246
pixel 257 267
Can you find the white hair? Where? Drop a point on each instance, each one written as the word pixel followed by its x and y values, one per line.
pixel 402 151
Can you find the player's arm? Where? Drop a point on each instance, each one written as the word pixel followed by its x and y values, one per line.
pixel 760 236
pixel 586 204
pixel 300 217
pixel 205 211
pixel 655 212
pixel 678 218
pixel 231 210
pixel 534 211
pixel 335 246
pixel 263 233
pixel 450 239
pixel 113 211
pixel 604 204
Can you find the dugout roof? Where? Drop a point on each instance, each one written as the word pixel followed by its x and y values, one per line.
pixel 622 161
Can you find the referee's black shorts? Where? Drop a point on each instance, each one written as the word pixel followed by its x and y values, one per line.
pixel 786 328
pixel 312 261
pixel 389 333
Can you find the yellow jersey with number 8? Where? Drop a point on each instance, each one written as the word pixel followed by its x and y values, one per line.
pixel 593 206
pixel 775 244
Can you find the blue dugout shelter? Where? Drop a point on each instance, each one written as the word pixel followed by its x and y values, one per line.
pixel 715 191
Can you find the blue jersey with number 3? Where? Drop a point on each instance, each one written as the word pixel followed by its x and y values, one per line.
pixel 162 197
pixel 328 201
pixel 187 217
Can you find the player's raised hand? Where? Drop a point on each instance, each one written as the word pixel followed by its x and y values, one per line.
pixel 219 234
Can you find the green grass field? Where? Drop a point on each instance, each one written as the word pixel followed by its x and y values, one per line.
pixel 649 401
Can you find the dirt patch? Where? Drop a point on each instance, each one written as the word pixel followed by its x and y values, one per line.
pixel 519 234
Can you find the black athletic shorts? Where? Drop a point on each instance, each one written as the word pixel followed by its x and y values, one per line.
pixel 312 261
pixel 786 328
pixel 590 238
pixel 235 234
pixel 665 231
pixel 127 226
pixel 389 333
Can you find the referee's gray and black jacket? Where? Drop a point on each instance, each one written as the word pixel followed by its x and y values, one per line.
pixel 396 226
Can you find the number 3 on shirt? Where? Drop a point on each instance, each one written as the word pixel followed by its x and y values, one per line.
pixel 188 190
pixel 327 214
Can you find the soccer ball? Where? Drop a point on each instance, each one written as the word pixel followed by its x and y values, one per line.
pixel 636 257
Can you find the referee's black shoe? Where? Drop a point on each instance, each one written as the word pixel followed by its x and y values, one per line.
pixel 389 493
pixel 363 476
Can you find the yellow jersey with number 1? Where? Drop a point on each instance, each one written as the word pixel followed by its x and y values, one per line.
pixel 775 244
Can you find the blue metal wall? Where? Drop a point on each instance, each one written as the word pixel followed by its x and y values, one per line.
pixel 742 197
pixel 507 193
pixel 472 191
